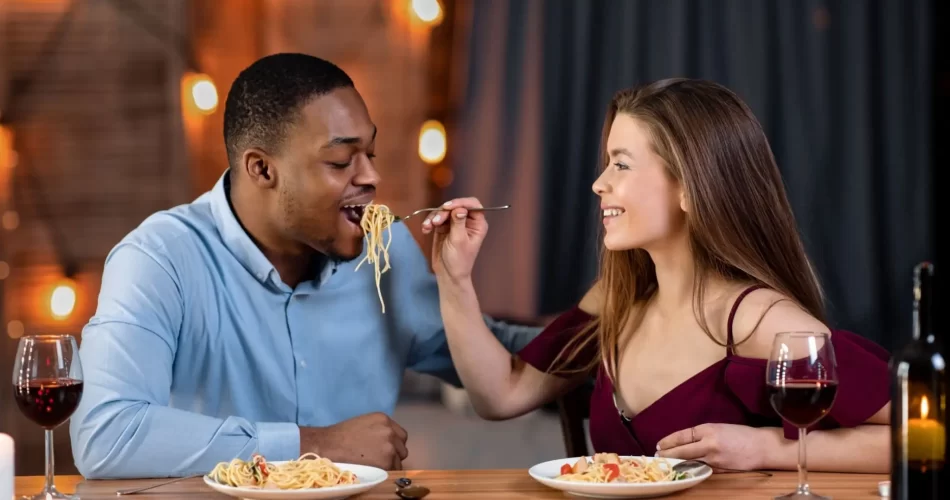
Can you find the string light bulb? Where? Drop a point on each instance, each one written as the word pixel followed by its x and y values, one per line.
pixel 8 155
pixel 10 220
pixel 199 91
pixel 62 300
pixel 428 11
pixel 15 329
pixel 432 142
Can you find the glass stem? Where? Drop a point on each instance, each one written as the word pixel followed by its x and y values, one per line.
pixel 802 462
pixel 49 460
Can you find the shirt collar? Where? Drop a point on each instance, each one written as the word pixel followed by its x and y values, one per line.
pixel 243 247
pixel 235 238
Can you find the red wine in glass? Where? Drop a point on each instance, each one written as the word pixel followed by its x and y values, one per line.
pixel 803 403
pixel 802 383
pixel 48 402
pixel 47 386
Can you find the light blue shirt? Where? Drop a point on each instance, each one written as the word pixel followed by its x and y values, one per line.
pixel 198 352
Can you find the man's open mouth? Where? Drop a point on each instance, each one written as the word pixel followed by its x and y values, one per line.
pixel 354 213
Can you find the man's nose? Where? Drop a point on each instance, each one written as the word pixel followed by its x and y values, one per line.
pixel 367 175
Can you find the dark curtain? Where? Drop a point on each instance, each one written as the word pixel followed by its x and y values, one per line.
pixel 842 88
pixel 495 145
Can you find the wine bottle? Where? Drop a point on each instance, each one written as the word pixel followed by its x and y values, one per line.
pixel 918 404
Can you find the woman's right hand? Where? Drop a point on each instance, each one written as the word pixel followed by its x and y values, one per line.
pixel 458 237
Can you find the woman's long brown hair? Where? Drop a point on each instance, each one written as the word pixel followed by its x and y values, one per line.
pixel 739 220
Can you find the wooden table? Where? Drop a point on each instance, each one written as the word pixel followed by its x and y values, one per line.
pixel 500 484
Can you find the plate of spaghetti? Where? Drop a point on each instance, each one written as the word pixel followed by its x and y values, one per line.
pixel 608 475
pixel 309 477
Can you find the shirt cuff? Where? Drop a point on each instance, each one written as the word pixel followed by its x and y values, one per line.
pixel 278 441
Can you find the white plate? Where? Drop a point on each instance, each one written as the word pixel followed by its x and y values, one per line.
pixel 366 479
pixel 547 471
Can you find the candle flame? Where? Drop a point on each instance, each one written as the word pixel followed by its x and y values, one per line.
pixel 924 407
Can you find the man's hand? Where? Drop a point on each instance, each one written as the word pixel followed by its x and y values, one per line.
pixel 373 439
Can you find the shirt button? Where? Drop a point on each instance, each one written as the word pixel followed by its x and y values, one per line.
pixel 303 364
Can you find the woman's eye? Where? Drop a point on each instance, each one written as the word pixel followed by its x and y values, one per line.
pixel 621 166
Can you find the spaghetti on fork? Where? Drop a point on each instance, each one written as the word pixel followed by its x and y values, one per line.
pixel 377 219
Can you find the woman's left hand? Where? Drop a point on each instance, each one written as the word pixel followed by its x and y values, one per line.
pixel 726 446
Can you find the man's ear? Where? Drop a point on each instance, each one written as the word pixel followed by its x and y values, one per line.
pixel 259 168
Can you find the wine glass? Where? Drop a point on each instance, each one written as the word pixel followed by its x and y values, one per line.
pixel 47 385
pixel 803 381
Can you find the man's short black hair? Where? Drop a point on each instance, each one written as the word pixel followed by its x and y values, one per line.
pixel 266 97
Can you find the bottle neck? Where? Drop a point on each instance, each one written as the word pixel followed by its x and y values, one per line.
pixel 923 329
pixel 923 303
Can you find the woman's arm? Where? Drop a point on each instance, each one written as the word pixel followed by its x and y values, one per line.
pixel 862 448
pixel 865 448
pixel 500 386
pixel 590 304
pixel 593 300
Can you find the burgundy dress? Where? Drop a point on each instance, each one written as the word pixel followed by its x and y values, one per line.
pixel 732 390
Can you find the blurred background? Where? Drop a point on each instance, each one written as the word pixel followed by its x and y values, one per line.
pixel 111 110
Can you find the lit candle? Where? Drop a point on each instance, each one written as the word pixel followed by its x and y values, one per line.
pixel 926 438
pixel 6 467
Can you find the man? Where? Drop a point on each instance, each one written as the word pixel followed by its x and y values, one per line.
pixel 237 323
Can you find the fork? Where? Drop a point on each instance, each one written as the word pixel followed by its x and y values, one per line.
pixel 688 465
pixel 436 209
pixel 132 491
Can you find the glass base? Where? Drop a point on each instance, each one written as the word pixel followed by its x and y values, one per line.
pixel 50 493
pixel 802 494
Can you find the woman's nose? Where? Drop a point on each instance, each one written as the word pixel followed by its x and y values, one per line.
pixel 601 185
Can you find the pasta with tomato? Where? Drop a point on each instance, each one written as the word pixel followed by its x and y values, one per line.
pixel 610 468
pixel 308 471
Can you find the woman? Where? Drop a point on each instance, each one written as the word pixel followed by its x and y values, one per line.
pixel 702 266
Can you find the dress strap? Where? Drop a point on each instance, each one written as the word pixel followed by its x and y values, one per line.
pixel 730 341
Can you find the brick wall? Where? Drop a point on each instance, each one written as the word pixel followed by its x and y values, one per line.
pixel 99 145
pixel 103 141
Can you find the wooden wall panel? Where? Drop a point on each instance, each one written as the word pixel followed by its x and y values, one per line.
pixel 225 41
pixel 99 141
